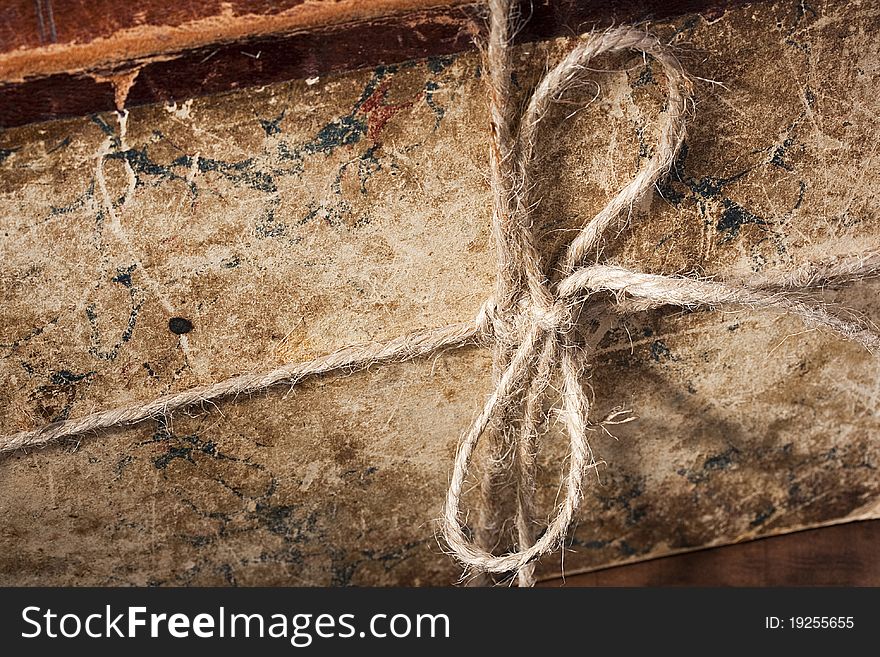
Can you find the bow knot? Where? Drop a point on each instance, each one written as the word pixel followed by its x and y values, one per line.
pixel 553 316
pixel 531 318
pixel 536 312
pixel 556 318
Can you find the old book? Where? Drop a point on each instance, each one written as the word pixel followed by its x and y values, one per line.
pixel 193 239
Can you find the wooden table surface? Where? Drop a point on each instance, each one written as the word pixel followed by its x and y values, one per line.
pixel 841 555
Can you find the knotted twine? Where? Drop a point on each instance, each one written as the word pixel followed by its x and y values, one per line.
pixel 536 317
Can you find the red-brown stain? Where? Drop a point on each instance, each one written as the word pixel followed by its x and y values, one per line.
pixel 379 112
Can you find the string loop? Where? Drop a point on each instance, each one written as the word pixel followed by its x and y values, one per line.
pixel 542 299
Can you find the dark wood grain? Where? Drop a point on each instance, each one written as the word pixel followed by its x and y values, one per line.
pixel 256 59
pixel 842 555
pixel 34 23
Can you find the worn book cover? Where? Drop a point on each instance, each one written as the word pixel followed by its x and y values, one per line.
pixel 181 242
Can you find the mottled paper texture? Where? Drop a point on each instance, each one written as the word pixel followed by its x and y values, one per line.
pixel 286 221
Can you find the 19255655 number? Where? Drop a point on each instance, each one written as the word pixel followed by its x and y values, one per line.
pixel 809 622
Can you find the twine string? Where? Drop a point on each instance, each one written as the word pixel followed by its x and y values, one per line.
pixel 537 316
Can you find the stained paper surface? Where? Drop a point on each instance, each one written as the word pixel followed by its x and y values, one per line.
pixel 287 221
